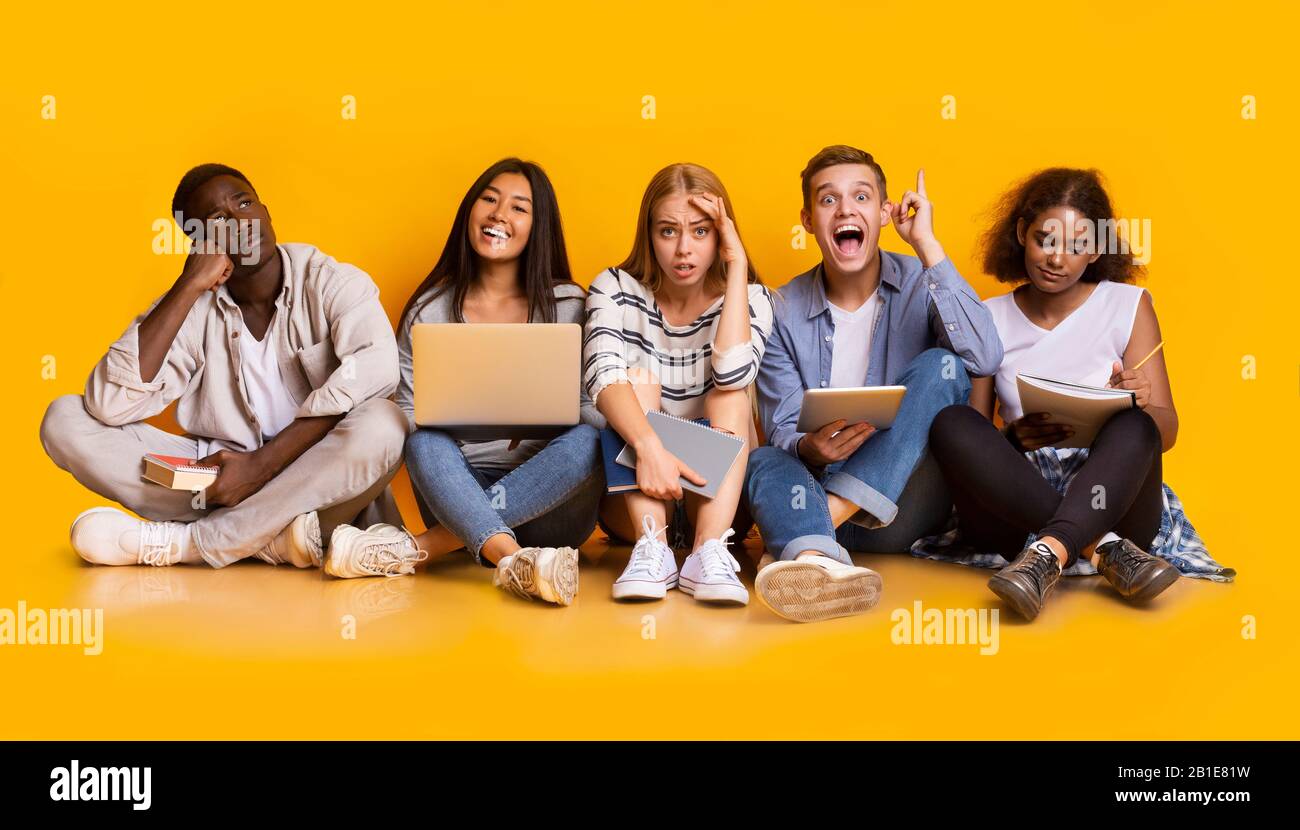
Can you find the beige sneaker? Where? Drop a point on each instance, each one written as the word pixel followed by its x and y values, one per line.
pixel 815 587
pixel 298 544
pixel 379 550
pixel 550 574
pixel 107 536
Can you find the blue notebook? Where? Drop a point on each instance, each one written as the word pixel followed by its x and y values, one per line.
pixel 618 479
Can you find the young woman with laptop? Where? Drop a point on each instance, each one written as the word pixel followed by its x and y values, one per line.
pixel 519 506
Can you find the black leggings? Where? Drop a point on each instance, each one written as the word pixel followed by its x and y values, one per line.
pixel 1001 498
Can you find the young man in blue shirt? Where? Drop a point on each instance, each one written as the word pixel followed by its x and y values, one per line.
pixel 861 317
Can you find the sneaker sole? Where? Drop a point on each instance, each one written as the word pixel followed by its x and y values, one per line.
pixel 1020 600
pixel 564 575
pixel 803 592
pixel 639 589
pixel 722 594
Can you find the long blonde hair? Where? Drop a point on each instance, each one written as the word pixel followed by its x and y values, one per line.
pixel 674 180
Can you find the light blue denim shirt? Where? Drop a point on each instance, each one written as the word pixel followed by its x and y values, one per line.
pixel 920 308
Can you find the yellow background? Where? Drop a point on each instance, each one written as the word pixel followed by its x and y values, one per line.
pixel 1149 93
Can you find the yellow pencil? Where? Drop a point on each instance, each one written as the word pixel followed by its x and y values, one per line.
pixel 1149 356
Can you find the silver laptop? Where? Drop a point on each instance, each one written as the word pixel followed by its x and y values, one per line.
pixel 480 381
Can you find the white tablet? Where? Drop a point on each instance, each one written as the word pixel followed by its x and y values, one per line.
pixel 877 405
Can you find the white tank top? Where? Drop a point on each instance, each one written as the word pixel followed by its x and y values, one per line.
pixel 1081 349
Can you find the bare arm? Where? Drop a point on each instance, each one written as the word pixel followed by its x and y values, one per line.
pixel 1151 382
pixel 982 396
pixel 733 324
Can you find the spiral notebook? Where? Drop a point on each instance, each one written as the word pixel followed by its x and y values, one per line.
pixel 1085 408
pixel 707 451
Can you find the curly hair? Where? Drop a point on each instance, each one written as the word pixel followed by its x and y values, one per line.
pixel 1082 190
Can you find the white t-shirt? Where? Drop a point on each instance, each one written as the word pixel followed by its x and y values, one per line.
pixel 1081 349
pixel 852 352
pixel 267 392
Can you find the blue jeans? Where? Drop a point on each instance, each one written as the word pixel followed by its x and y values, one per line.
pixel 548 501
pixel 891 476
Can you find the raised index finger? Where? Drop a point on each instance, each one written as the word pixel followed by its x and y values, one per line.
pixel 920 182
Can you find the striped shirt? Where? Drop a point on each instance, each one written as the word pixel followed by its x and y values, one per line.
pixel 626 328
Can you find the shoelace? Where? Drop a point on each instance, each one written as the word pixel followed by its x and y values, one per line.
pixel 1041 565
pixel 155 543
pixel 390 558
pixel 1127 556
pixel 512 584
pixel 511 581
pixel 716 560
pixel 648 554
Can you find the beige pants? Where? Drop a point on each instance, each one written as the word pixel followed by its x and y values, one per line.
pixel 342 475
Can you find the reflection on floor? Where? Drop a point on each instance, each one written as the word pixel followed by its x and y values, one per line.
pixel 256 651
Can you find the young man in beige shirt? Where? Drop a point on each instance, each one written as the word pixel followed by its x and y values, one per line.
pixel 282 361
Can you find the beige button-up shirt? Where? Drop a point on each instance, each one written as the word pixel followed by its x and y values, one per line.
pixel 335 345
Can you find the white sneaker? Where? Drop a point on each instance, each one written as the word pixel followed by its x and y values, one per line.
pixel 709 573
pixel 549 574
pixel 298 544
pixel 379 550
pixel 107 536
pixel 651 570
pixel 815 587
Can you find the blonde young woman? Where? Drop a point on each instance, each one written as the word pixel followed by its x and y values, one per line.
pixel 680 326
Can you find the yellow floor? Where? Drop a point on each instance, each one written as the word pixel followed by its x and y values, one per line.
pixel 259 652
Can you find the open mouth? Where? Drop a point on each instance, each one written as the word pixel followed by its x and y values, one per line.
pixel 684 269
pixel 848 239
pixel 495 233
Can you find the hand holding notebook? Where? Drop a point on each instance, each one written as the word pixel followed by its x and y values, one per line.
pixel 707 451
pixel 1084 409
pixel 178 473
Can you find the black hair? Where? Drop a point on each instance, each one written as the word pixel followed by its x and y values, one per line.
pixel 543 265
pixel 196 178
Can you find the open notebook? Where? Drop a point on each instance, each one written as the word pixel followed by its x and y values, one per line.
pixel 1086 408
pixel 707 451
